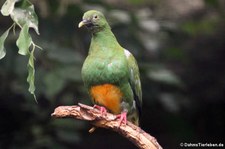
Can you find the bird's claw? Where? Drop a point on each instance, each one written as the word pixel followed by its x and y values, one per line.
pixel 101 109
pixel 122 118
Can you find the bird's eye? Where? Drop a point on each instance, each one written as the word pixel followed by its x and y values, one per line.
pixel 95 16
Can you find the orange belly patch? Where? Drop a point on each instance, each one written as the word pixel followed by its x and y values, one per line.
pixel 107 95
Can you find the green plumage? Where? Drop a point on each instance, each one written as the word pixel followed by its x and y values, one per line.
pixel 109 63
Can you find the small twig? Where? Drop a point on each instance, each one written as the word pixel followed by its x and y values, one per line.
pixel 83 112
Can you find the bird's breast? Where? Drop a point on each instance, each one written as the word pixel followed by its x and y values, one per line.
pixel 102 69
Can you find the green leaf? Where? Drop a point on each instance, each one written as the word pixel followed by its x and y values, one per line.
pixel 31 73
pixel 24 16
pixel 24 40
pixel 2 41
pixel 8 7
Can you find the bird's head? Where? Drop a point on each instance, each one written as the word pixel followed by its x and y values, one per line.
pixel 94 21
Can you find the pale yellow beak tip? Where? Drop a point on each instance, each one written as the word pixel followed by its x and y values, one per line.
pixel 80 24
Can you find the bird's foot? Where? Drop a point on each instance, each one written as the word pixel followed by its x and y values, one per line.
pixel 101 109
pixel 122 118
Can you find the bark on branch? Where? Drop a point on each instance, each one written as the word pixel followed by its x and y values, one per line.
pixel 133 133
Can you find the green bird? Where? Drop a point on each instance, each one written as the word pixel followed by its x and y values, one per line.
pixel 110 72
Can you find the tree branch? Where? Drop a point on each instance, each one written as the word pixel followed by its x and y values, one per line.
pixel 133 133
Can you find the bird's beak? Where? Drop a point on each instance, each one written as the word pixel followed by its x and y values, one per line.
pixel 83 22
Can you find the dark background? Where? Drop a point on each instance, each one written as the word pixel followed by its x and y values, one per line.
pixel 180 49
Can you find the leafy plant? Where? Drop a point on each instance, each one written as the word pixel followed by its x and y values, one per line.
pixel 23 15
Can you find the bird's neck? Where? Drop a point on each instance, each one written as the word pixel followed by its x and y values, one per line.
pixel 105 40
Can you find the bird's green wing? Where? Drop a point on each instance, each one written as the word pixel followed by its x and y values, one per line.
pixel 134 79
